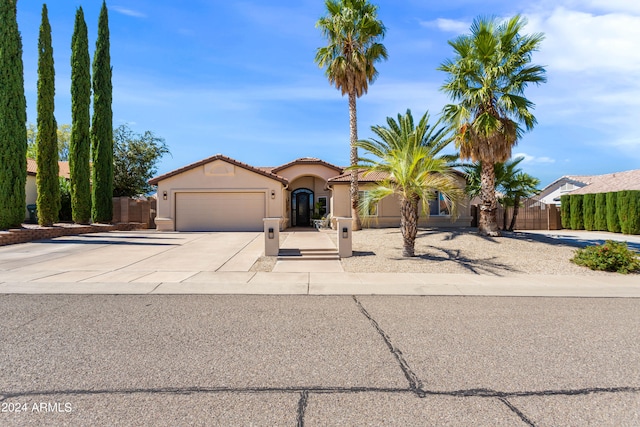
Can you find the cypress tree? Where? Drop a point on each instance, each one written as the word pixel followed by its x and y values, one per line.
pixel 80 141
pixel 622 202
pixel 102 126
pixel 634 212
pixel 565 211
pixel 13 119
pixel 589 211
pixel 577 219
pixel 600 220
pixel 48 201
pixel 613 223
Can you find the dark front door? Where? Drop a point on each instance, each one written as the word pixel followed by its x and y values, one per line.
pixel 302 201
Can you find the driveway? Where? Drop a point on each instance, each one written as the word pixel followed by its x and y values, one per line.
pixel 134 256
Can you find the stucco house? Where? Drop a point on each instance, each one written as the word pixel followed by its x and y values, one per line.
pixel 584 184
pixel 222 194
pixel 31 188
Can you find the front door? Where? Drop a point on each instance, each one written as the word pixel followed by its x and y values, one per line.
pixel 302 202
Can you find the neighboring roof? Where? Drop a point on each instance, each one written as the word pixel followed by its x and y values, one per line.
pixel 157 179
pixel 572 179
pixel 305 161
pixel 32 168
pixel 619 181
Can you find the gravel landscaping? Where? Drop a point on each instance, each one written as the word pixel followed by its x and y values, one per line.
pixel 456 251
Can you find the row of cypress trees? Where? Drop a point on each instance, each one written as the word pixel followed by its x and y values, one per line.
pixel 87 204
pixel 617 212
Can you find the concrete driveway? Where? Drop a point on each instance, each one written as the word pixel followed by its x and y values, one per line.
pixel 130 257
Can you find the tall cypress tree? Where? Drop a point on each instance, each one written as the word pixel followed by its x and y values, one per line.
pixel 102 125
pixel 48 201
pixel 13 119
pixel 80 142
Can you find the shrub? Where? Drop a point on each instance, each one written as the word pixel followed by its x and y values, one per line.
pixel 565 211
pixel 622 202
pixel 613 223
pixel 634 212
pixel 600 220
pixel 577 220
pixel 612 256
pixel 589 211
pixel 65 200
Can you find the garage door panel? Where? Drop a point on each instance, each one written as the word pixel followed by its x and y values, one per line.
pixel 220 211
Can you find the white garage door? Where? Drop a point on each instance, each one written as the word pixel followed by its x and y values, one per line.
pixel 220 211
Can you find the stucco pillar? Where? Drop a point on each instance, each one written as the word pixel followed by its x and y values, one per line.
pixel 124 209
pixel 344 237
pixel 271 236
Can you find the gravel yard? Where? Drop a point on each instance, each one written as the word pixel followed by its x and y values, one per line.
pixel 456 251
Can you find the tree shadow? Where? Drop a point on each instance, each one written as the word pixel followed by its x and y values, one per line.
pixel 473 265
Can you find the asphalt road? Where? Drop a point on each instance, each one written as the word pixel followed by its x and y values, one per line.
pixel 305 360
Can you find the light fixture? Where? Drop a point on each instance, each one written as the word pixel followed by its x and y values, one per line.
pixel 345 233
pixel 270 233
pixel 164 195
pixel 273 194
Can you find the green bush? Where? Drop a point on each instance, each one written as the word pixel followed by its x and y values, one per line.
pixel 577 218
pixel 633 212
pixel 565 211
pixel 622 202
pixel 613 223
pixel 600 220
pixel 589 211
pixel 65 200
pixel 612 256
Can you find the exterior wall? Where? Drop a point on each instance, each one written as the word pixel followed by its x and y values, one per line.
pixel 32 193
pixel 562 188
pixel 217 176
pixel 388 214
pixel 295 171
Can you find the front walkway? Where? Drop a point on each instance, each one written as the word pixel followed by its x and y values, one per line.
pixel 311 241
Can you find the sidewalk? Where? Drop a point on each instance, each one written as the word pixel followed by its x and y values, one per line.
pixel 326 283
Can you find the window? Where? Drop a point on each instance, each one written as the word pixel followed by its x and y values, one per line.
pixel 373 209
pixel 439 206
pixel 322 205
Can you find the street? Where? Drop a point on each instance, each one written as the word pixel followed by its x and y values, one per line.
pixel 318 360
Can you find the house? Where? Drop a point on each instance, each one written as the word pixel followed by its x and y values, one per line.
pixel 222 194
pixel 31 188
pixel 589 184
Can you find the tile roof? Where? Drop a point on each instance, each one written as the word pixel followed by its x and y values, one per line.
pixel 308 161
pixel 32 168
pixel 157 179
pixel 619 181
pixel 345 178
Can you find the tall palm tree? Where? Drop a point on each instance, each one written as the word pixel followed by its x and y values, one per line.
pixel 353 31
pixel 513 184
pixel 409 157
pixel 487 79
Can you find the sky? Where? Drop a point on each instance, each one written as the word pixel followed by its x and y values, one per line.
pixel 239 77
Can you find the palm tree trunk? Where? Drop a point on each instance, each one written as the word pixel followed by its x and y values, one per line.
pixel 516 208
pixel 487 223
pixel 353 133
pixel 408 225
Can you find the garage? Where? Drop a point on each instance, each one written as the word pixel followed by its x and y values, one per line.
pixel 220 211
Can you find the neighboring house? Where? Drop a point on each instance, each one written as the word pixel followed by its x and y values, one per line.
pixel 223 194
pixel 590 184
pixel 31 188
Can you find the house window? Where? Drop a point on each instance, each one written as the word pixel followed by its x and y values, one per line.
pixel 439 206
pixel 321 206
pixel 373 209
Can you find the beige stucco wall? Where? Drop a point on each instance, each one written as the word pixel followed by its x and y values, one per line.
pixel 220 176
pixel 388 214
pixel 31 192
pixel 295 171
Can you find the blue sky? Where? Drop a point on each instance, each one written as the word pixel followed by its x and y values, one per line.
pixel 238 77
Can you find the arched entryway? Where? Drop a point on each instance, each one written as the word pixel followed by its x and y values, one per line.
pixel 301 207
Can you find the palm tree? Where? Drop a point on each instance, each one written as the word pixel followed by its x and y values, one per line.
pixel 487 79
pixel 353 31
pixel 513 184
pixel 408 156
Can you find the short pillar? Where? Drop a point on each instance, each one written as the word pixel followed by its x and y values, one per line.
pixel 124 209
pixel 271 236
pixel 344 226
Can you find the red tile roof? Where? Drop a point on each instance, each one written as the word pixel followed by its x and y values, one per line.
pixel 157 179
pixel 32 168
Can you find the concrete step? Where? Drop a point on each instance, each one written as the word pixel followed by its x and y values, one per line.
pixel 307 254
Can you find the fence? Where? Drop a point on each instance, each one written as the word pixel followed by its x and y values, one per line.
pixel 532 215
pixel 126 210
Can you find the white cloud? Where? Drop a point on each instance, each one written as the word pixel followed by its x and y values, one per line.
pixel 448 25
pixel 128 12
pixel 533 159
